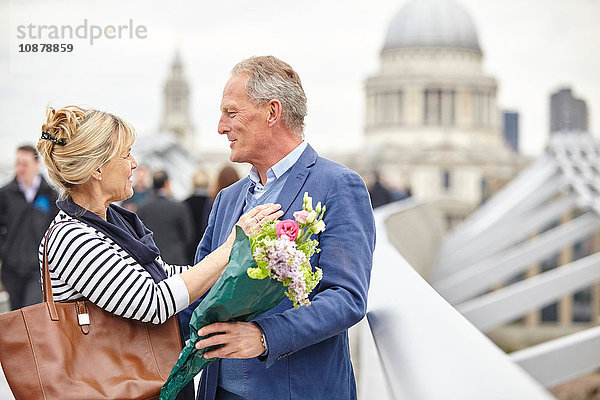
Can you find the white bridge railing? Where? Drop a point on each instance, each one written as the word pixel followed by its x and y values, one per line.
pixel 427 350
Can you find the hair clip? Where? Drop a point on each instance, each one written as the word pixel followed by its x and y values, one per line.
pixel 59 142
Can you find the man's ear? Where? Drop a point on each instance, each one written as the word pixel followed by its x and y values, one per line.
pixel 274 112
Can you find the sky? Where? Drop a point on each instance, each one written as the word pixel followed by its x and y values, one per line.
pixel 532 47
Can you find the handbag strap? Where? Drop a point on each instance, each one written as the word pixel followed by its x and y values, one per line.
pixel 46 282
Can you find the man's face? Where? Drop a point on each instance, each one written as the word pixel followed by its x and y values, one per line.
pixel 26 166
pixel 244 123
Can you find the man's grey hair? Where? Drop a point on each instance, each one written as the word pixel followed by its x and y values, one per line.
pixel 269 78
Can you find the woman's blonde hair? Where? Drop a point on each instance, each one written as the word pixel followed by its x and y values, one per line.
pixel 79 141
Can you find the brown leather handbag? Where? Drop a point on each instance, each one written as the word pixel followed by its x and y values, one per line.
pixel 76 350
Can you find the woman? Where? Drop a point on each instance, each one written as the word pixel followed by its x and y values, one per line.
pixel 227 176
pixel 105 253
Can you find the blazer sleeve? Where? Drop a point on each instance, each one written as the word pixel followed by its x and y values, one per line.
pixel 346 258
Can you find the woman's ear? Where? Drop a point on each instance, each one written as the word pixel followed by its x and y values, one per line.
pixel 97 174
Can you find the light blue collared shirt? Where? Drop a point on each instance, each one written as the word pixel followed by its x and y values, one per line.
pixel 275 172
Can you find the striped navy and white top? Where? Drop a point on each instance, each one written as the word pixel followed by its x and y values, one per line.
pixel 85 263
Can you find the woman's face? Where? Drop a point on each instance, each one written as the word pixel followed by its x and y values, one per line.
pixel 117 176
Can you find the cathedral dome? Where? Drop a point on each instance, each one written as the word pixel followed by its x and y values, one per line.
pixel 432 23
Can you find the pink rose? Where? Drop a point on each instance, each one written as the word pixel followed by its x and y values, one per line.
pixel 288 228
pixel 300 216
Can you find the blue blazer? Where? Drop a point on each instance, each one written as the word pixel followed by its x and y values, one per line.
pixel 308 351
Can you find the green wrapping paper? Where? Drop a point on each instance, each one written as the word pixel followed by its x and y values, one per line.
pixel 234 297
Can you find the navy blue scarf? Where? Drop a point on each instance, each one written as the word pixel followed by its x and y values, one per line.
pixel 126 230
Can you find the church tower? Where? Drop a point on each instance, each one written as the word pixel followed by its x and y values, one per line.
pixel 176 117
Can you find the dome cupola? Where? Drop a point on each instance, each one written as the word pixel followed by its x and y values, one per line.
pixel 432 24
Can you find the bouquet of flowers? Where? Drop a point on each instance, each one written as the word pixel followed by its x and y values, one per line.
pixel 280 250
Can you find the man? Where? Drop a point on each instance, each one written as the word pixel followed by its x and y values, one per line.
pixel 288 353
pixel 170 221
pixel 27 206
pixel 380 195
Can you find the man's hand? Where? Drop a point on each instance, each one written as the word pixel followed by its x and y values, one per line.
pixel 240 340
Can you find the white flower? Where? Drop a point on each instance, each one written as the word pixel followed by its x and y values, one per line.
pixel 319 226
pixel 311 217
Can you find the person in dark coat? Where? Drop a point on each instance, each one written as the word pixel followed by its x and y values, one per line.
pixel 199 204
pixel 27 206
pixel 380 195
pixel 171 222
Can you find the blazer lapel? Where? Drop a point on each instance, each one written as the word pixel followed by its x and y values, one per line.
pixel 297 177
pixel 236 212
